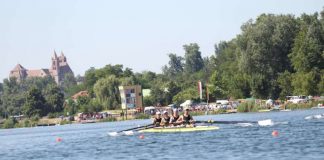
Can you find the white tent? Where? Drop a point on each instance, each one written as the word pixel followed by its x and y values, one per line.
pixel 187 103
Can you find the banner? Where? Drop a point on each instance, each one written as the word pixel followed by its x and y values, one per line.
pixel 200 89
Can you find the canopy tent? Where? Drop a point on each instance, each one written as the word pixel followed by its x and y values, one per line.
pixel 187 103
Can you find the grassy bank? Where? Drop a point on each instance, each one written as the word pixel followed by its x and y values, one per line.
pixel 251 106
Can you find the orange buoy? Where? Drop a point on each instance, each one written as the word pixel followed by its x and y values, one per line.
pixel 141 136
pixel 58 139
pixel 275 133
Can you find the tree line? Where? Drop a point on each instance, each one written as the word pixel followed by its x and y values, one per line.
pixel 274 56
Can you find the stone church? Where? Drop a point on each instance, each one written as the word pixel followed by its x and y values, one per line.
pixel 58 70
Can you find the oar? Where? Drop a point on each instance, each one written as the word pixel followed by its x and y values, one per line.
pixel 267 122
pixel 129 131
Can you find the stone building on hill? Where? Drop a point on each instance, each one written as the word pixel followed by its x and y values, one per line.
pixel 59 68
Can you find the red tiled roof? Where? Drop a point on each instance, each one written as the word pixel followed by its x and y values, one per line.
pixel 81 93
pixel 18 67
pixel 38 73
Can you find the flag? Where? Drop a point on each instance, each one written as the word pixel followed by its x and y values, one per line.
pixel 200 89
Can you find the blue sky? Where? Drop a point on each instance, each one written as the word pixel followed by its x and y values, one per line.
pixel 138 34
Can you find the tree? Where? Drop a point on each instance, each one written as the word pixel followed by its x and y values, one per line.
pixel 307 52
pixel 158 95
pixel 175 65
pixel 1 88
pixel 12 97
pixel 70 107
pixel 187 94
pixel 35 104
pixel 128 72
pixel 217 87
pixel 54 98
pixel 285 80
pixel 107 91
pixel 305 83
pixel 69 81
pixel 193 60
pixel 264 47
pixel 172 90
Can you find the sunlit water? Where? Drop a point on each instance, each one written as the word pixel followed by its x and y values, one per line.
pixel 299 138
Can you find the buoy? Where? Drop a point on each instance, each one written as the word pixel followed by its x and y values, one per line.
pixel 58 139
pixel 275 133
pixel 141 136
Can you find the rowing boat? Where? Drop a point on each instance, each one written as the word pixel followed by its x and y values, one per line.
pixel 179 129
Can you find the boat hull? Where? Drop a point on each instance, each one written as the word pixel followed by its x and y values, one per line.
pixel 180 129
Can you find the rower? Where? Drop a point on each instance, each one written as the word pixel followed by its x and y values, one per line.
pixel 186 118
pixel 166 119
pixel 175 117
pixel 157 119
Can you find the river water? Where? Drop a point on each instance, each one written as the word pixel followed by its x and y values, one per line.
pixel 298 138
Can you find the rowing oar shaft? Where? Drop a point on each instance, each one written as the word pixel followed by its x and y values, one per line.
pixel 225 122
pixel 140 127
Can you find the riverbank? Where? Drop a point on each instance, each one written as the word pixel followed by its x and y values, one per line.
pixel 249 106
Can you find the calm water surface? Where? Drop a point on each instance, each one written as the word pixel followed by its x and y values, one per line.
pixel 298 139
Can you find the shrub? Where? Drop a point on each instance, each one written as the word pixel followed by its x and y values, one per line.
pixel 51 115
pixel 65 122
pixel 249 106
pixel 303 105
pixel 9 123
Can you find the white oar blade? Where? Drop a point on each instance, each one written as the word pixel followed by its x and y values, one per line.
pixel 267 122
pixel 129 133
pixel 113 134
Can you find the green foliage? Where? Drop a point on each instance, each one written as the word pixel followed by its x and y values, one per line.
pixel 248 106
pixel 68 81
pixel 10 123
pixel 308 46
pixel 54 98
pixel 188 94
pixel 147 101
pixel 217 87
pixel 308 105
pixel 304 83
pixel 35 104
pixel 284 82
pixel 107 91
pixel 65 122
pixel 70 107
pixel 193 60
pixel 175 65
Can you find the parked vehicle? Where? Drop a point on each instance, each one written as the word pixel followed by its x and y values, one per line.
pixel 150 110
pixel 297 99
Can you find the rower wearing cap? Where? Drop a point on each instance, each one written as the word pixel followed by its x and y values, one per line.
pixel 166 119
pixel 186 118
pixel 175 117
pixel 157 119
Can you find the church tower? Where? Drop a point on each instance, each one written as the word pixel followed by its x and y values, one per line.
pixel 55 68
